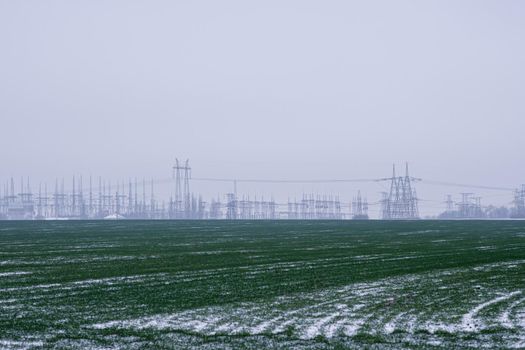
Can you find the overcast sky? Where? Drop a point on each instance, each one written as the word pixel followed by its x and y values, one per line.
pixel 265 89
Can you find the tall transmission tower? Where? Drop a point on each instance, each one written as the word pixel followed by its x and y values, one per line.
pixel 182 202
pixel 90 206
pixel 177 206
pixel 466 208
pixel 359 207
pixel 130 199
pixel 231 207
pixel 401 202
pixel 519 203
pixel 450 204
pixel 186 190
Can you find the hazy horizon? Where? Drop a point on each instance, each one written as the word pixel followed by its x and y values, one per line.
pixel 272 90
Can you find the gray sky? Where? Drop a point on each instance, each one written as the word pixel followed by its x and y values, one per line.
pixel 265 89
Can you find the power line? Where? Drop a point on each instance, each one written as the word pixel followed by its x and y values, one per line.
pixel 453 184
pixel 210 179
pixel 319 181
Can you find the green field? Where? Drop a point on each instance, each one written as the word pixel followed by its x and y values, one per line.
pixel 257 284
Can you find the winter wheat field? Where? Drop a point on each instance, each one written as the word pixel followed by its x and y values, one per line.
pixel 258 285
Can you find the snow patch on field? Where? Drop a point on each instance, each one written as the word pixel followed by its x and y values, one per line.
pixel 383 308
pixel 110 281
pixel 469 322
pixel 505 317
pixel 329 313
pixel 14 273
pixel 19 345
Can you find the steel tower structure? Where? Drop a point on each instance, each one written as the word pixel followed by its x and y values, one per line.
pixel 401 202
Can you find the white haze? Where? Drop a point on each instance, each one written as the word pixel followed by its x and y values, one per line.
pixel 266 89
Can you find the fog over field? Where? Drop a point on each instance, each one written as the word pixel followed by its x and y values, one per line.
pixel 268 89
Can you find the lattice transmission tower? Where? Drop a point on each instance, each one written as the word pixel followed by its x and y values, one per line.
pixel 519 203
pixel 401 202
pixel 182 202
